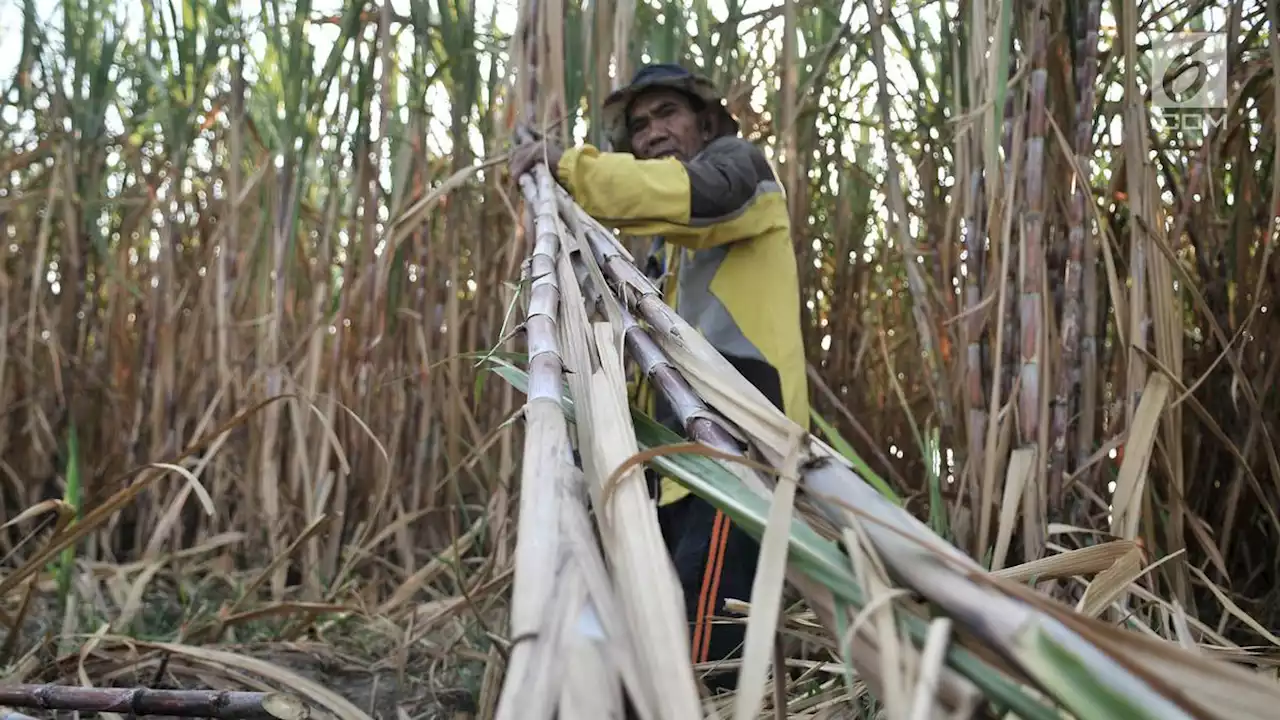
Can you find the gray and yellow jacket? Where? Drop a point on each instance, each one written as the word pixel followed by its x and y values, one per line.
pixel 723 216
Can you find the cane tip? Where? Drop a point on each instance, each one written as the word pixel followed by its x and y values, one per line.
pixel 285 707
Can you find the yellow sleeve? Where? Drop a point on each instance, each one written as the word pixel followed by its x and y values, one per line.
pixel 692 204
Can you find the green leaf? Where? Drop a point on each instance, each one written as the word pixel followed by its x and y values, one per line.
pixel 72 496
pixel 1068 678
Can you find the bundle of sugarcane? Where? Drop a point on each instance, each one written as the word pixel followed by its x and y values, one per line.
pixel 821 525
pixel 569 650
pixel 1022 650
pixel 573 646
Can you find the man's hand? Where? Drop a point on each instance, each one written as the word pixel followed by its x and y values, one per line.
pixel 528 154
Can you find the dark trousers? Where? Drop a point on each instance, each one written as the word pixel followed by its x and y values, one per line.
pixel 714 559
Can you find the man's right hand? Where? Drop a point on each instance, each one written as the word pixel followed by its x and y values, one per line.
pixel 528 154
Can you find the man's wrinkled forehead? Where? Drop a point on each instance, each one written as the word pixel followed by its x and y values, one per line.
pixel 651 100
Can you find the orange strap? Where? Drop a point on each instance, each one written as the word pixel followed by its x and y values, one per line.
pixel 710 586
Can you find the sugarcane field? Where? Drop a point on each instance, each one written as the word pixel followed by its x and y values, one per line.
pixel 581 359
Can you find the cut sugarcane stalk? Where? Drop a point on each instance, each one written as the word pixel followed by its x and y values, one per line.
pixel 145 701
pixel 548 565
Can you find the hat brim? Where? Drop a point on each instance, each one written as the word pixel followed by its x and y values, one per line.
pixel 614 112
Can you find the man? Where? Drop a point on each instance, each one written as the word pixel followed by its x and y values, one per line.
pixel 679 170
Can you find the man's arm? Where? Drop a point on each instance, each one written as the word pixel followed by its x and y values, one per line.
pixel 690 203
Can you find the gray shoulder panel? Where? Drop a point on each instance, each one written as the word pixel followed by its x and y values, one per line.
pixel 702 309
pixel 725 177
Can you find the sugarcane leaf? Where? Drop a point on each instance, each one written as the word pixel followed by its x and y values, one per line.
pixel 1067 677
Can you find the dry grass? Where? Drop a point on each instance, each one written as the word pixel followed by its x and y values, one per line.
pixel 250 264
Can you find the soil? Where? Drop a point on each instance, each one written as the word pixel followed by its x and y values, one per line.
pixel 380 692
pixel 421 686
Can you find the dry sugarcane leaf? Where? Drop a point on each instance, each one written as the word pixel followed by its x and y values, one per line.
pixel 601 433
pixel 766 592
pixel 1083 561
pixel 1234 609
pixel 438 564
pixel 1178 618
pixel 581 254
pixel 536 559
pixel 932 660
pixel 65 513
pixel 878 613
pixel 1111 583
pixel 602 610
pixel 649 591
pixel 600 614
pixel 1132 480
pixel 1018 474
pixel 543 688
pixel 590 687
pixel 1120 579
pixel 591 690
pixel 553 669
pixel 650 597
pixel 862 651
pixel 133 603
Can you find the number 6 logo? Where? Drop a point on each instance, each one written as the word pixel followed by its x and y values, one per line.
pixel 1189 70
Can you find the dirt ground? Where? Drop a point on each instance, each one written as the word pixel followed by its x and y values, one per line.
pixel 383 693
pixel 435 679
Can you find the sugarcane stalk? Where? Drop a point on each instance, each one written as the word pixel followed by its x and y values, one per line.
pixel 1010 361
pixel 976 236
pixel 223 705
pixel 685 403
pixel 546 448
pixel 1031 271
pixel 1079 262
pixel 944 576
pixel 547 435
pixel 1086 432
pixel 1031 287
pixel 650 604
pixel 1141 217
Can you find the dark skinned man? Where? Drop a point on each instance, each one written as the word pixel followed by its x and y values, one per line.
pixel 680 171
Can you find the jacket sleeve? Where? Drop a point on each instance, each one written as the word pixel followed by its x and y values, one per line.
pixel 689 203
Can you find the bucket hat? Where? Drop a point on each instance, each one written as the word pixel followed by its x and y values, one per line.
pixel 662 75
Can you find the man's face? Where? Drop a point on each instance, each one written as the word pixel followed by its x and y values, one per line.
pixel 662 123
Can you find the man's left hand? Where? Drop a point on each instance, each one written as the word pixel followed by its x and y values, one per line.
pixel 528 154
